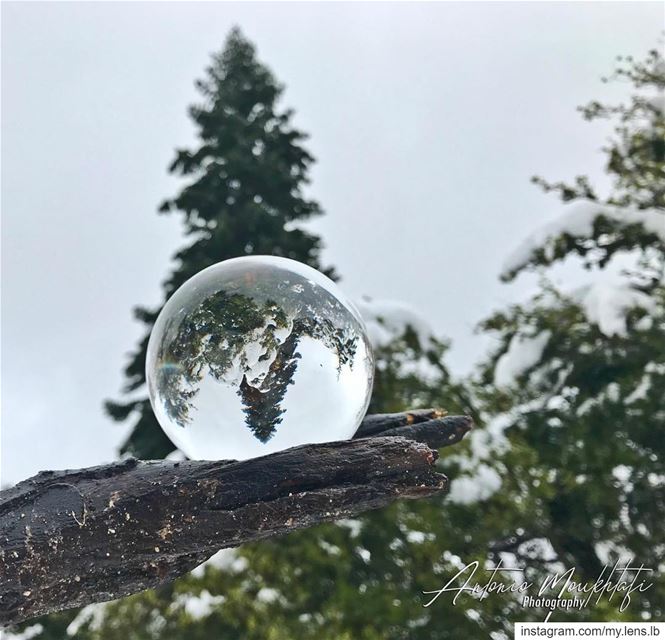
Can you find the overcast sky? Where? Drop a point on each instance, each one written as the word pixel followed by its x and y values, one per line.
pixel 427 121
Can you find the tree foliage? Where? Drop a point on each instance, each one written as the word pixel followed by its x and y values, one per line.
pixel 244 196
pixel 590 409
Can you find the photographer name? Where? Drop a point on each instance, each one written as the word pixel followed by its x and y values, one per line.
pixel 555 591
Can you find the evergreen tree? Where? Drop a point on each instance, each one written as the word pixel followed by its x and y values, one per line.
pixel 245 192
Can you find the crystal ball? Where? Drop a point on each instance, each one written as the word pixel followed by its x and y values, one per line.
pixel 255 355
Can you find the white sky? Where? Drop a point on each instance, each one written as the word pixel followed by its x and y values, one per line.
pixel 427 121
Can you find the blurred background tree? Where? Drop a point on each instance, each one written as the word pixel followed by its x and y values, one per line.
pixel 579 377
pixel 565 466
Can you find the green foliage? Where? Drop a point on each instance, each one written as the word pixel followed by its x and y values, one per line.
pixel 245 191
pixel 591 410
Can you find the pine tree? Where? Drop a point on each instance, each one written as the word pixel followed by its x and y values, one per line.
pixel 247 178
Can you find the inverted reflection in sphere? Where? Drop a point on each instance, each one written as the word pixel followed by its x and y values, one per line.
pixel 258 354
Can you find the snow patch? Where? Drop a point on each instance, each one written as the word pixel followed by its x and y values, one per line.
pixel 483 484
pixel 421 368
pixel 418 537
pixel 267 595
pixel 523 353
pixel 608 553
pixel 354 526
pixel 92 614
pixel 198 606
pixel 611 393
pixel 656 480
pixel 482 480
pixel 387 320
pixel 622 473
pixel 607 302
pixel 644 323
pixel 365 554
pixel 656 367
pixel 641 391
pixel 224 560
pixel 27 634
pixel 490 441
pixel 577 221
pixel 332 549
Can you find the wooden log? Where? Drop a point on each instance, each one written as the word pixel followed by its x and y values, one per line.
pixel 70 538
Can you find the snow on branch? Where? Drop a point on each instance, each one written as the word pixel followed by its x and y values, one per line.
pixel 73 538
pixel 389 319
pixel 523 353
pixel 606 303
pixel 578 222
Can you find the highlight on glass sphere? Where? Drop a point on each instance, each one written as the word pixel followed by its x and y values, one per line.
pixel 258 354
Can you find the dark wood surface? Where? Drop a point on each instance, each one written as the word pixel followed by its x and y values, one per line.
pixel 70 538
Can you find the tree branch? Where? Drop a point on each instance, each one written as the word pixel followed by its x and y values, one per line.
pixel 71 538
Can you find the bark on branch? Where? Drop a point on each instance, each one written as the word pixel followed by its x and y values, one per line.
pixel 70 538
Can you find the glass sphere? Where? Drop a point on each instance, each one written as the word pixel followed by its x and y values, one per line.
pixel 257 354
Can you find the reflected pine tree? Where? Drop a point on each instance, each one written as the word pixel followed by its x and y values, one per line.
pixel 247 334
pixel 262 405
